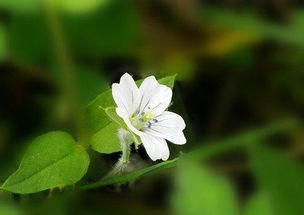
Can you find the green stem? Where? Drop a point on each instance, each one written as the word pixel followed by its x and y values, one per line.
pixel 64 57
pixel 211 149
pixel 123 162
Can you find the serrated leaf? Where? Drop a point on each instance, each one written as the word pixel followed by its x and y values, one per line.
pixel 199 191
pixel 281 177
pixel 101 115
pixel 52 160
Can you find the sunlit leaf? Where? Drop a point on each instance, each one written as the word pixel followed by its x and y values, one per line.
pixel 52 160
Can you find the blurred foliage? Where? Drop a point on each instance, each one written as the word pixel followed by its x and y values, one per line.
pixel 199 191
pixel 239 65
pixel 273 171
pixel 259 204
pixel 2 43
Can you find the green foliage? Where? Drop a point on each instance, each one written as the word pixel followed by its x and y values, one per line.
pixel 199 191
pixel 3 42
pixel 242 139
pixel 89 82
pixel 100 34
pixel 259 204
pixel 8 209
pixel 247 21
pixel 205 152
pixel 79 6
pixel 20 6
pixel 52 160
pixel 103 121
pixel 106 139
pixel 281 177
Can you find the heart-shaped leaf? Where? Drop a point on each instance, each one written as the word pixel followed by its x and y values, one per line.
pixel 52 160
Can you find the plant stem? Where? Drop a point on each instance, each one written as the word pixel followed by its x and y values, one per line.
pixel 125 140
pixel 65 60
pixel 207 151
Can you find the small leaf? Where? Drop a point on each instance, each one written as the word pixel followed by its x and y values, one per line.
pixel 259 204
pixel 282 178
pixel 100 113
pixel 52 160
pixel 111 112
pixel 199 191
pixel 106 139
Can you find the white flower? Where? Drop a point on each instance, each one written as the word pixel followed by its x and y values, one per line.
pixel 143 110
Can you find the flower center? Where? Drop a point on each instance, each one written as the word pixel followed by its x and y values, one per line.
pixel 141 120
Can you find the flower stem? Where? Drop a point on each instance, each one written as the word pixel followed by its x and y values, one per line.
pixel 125 140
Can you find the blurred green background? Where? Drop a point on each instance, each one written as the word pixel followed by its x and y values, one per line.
pixel 240 67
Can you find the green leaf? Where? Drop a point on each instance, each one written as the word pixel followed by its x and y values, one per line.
pixel 106 140
pixel 281 177
pixel 259 204
pixel 132 175
pixel 52 160
pixel 199 191
pixel 111 112
pixel 101 117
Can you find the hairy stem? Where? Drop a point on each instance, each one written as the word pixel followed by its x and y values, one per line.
pixel 125 140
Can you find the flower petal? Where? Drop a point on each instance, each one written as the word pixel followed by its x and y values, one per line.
pixel 155 96
pixel 169 126
pixel 124 115
pixel 171 119
pixel 147 89
pixel 156 147
pixel 126 94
